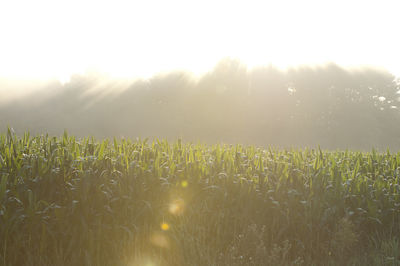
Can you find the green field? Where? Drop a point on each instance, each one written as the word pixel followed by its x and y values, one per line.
pixel 69 201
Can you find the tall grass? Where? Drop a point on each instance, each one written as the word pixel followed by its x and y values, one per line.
pixel 69 201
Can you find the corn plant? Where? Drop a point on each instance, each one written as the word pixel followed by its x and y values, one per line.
pixel 81 201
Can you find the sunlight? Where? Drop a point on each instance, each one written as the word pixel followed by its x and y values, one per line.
pixel 177 207
pixel 165 226
pixel 159 240
pixel 140 38
pixel 181 132
pixel 184 183
pixel 146 261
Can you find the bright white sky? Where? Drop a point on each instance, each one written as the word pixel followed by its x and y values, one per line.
pixel 50 38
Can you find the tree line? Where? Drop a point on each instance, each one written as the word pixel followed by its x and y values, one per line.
pixel 325 105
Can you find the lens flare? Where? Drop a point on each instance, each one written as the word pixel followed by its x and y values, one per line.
pixel 184 183
pixel 177 207
pixel 160 240
pixel 146 261
pixel 165 226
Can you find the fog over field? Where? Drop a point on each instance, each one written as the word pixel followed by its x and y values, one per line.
pixel 301 106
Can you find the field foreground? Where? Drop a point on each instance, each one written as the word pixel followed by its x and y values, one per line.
pixel 68 201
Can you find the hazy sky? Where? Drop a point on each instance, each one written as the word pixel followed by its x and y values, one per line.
pixel 50 38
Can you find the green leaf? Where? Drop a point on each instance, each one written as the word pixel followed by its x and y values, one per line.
pixel 3 185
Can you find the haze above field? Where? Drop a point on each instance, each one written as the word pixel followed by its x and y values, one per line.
pixel 305 106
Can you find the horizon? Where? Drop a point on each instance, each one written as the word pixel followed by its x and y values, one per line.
pixel 17 88
pixel 328 105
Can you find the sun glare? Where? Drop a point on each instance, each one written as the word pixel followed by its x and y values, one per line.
pixel 165 226
pixel 184 183
pixel 176 207
pixel 139 38
pixel 159 240
pixel 146 261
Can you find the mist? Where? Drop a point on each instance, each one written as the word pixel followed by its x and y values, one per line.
pixel 302 106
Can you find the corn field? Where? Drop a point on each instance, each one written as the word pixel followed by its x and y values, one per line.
pixel 70 201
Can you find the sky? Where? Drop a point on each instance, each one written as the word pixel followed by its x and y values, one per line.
pixel 53 39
